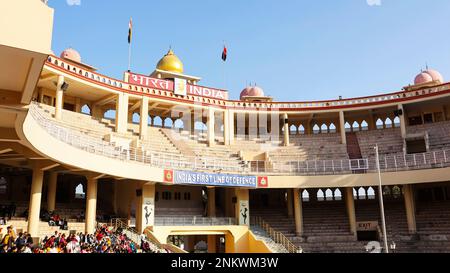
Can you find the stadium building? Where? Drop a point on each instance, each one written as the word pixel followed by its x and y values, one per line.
pixel 195 170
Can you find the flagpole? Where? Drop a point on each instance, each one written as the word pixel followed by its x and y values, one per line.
pixel 129 56
pixel 380 193
pixel 130 41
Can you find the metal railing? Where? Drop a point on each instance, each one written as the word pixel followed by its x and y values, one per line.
pixel 194 221
pixel 388 163
pixel 275 235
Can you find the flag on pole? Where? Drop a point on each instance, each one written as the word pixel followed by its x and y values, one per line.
pixel 224 54
pixel 130 30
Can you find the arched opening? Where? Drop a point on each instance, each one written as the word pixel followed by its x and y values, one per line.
pixel 179 124
pixel 355 126
pixel 329 195
pixel 79 192
pixel 200 126
pixel 301 130
pixel 332 128
pixel 110 114
pixel 320 195
pixel 316 129
pixel 324 129
pixel 136 118
pixel 364 126
pixel 355 194
pixel 386 191
pixel 293 129
pixel 348 127
pixel 85 109
pixel 362 193
pixel 168 123
pixel 157 121
pixel 370 193
pixel 396 122
pixel 396 192
pixel 337 195
pixel 388 123
pixel 380 124
pixel 305 196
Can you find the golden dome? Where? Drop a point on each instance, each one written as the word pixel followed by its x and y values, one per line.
pixel 170 62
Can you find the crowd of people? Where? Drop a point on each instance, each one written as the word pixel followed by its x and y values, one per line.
pixel 103 240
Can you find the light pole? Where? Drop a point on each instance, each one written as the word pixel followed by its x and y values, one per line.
pixel 380 193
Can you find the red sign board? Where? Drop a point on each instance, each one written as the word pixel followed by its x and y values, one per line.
pixel 263 182
pixel 150 82
pixel 168 176
pixel 194 90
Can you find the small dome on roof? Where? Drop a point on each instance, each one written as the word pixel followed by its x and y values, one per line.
pixel 423 78
pixel 429 75
pixel 72 55
pixel 252 91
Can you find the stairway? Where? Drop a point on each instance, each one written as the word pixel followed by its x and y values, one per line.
pixel 353 149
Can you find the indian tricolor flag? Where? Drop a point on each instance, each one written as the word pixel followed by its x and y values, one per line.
pixel 130 30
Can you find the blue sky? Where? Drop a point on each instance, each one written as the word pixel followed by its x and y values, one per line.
pixel 295 50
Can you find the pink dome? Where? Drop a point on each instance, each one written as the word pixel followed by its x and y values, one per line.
pixel 435 75
pixel 423 78
pixel 252 91
pixel 71 54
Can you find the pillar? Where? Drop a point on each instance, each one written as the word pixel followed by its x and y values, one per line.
pixel 78 105
pixel 51 191
pixel 402 121
pixel 298 212
pixel 91 205
pixel 146 206
pixel 242 208
pixel 230 126
pixel 289 202
pixel 35 201
pixel 122 113
pixel 211 202
pixel 408 195
pixel 350 205
pixel 226 128
pixel 59 98
pixel 211 127
pixel 342 127
pixel 212 243
pixel 286 129
pixel 143 124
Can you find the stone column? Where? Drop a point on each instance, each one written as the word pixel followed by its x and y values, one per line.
pixel 298 212
pixel 122 113
pixel 91 205
pixel 143 124
pixel 342 127
pixel 51 191
pixel 410 207
pixel 289 202
pixel 211 127
pixel 286 129
pixel 35 201
pixel 59 98
pixel 402 121
pixel 242 208
pixel 211 202
pixel 350 205
pixel 226 128
pixel 146 202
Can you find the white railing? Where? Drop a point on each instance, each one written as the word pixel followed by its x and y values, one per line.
pixel 194 221
pixel 388 163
